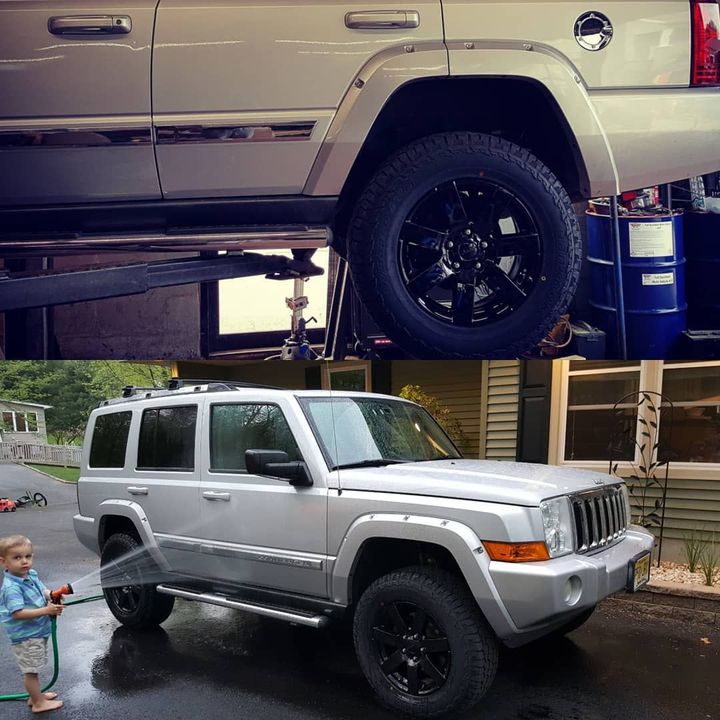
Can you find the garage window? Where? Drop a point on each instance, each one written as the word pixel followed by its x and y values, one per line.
pixel 167 439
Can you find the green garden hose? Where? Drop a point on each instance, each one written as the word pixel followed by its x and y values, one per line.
pixel 56 661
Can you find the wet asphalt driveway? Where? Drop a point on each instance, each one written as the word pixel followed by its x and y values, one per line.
pixel 211 662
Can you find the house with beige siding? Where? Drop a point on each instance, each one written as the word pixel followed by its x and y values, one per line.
pixel 550 412
pixel 23 422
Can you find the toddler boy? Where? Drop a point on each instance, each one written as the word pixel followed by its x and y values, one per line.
pixel 25 613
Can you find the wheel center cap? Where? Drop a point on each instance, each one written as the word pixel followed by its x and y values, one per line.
pixel 468 250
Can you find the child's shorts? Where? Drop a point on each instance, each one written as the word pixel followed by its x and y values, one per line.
pixel 31 654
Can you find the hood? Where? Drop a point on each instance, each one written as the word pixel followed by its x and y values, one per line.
pixel 485 480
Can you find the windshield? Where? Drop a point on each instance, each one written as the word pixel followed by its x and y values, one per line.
pixel 367 432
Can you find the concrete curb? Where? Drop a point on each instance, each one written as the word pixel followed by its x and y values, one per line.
pixel 48 475
pixel 676 600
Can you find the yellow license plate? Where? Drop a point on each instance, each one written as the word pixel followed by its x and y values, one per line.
pixel 640 571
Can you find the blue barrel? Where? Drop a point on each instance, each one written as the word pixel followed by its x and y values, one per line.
pixel 653 268
pixel 702 248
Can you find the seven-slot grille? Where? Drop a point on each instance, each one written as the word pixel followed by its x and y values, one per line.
pixel 600 518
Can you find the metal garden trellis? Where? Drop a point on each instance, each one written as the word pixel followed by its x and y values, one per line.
pixel 639 438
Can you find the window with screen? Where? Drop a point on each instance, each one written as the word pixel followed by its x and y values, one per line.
pixel 239 427
pixel 109 440
pixel 593 389
pixel 167 438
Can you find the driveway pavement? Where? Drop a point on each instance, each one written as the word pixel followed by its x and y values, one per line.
pixel 212 662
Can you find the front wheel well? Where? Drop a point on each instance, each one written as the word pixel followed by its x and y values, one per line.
pixel 113 524
pixel 380 556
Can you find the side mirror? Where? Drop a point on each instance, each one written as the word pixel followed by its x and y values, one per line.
pixel 275 463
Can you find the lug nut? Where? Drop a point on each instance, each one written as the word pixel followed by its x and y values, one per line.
pixel 451 244
pixel 456 265
pixel 483 244
pixel 468 232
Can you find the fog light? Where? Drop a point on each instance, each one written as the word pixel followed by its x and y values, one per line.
pixel 573 590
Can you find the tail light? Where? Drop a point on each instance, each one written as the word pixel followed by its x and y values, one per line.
pixel 705 43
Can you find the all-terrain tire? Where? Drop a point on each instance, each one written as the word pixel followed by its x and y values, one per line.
pixel 452 612
pixel 129 590
pixel 392 196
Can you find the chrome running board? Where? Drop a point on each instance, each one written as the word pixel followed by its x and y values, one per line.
pixel 296 617
pixel 254 237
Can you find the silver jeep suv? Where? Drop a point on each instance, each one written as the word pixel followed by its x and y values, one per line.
pixel 308 506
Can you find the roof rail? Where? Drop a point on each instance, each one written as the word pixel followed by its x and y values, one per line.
pixel 131 392
pixel 216 385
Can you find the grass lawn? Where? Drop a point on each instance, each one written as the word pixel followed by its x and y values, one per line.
pixel 63 473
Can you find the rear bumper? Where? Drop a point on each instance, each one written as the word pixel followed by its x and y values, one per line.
pixel 87 533
pixel 659 135
pixel 538 597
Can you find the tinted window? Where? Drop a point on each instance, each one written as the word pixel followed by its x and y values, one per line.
pixel 167 439
pixel 237 428
pixel 110 440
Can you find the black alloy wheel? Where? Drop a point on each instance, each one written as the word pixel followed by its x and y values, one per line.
pixel 464 245
pixel 423 644
pixel 129 582
pixel 124 597
pixel 411 648
pixel 470 252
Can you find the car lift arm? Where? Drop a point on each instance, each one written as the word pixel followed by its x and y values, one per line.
pixel 57 287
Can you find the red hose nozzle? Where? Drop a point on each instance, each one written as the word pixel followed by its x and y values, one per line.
pixel 56 595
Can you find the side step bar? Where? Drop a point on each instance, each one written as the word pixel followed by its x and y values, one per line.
pixel 292 616
pixel 254 237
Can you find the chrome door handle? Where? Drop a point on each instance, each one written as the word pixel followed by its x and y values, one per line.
pixel 137 490
pixel 210 495
pixel 90 25
pixel 382 19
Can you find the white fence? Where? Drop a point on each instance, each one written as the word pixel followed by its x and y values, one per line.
pixel 66 455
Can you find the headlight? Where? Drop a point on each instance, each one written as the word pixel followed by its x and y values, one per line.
pixel 626 497
pixel 558 526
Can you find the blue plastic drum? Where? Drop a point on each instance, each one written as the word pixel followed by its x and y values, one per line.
pixel 653 268
pixel 702 247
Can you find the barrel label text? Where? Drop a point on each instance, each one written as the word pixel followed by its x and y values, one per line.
pixel 654 239
pixel 659 279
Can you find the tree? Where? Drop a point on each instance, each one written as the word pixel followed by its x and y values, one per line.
pixel 441 413
pixel 111 376
pixel 65 385
pixel 73 388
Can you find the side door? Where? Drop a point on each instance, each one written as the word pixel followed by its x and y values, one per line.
pixel 261 531
pixel 75 120
pixel 165 478
pixel 244 91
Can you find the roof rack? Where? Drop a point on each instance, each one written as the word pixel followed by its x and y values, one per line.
pixel 132 392
pixel 216 385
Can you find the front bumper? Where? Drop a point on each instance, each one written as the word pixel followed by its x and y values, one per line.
pixel 541 596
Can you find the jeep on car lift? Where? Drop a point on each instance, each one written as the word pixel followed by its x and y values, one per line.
pixel 307 506
pixel 437 145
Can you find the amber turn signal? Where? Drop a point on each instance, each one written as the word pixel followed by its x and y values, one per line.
pixel 517 552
